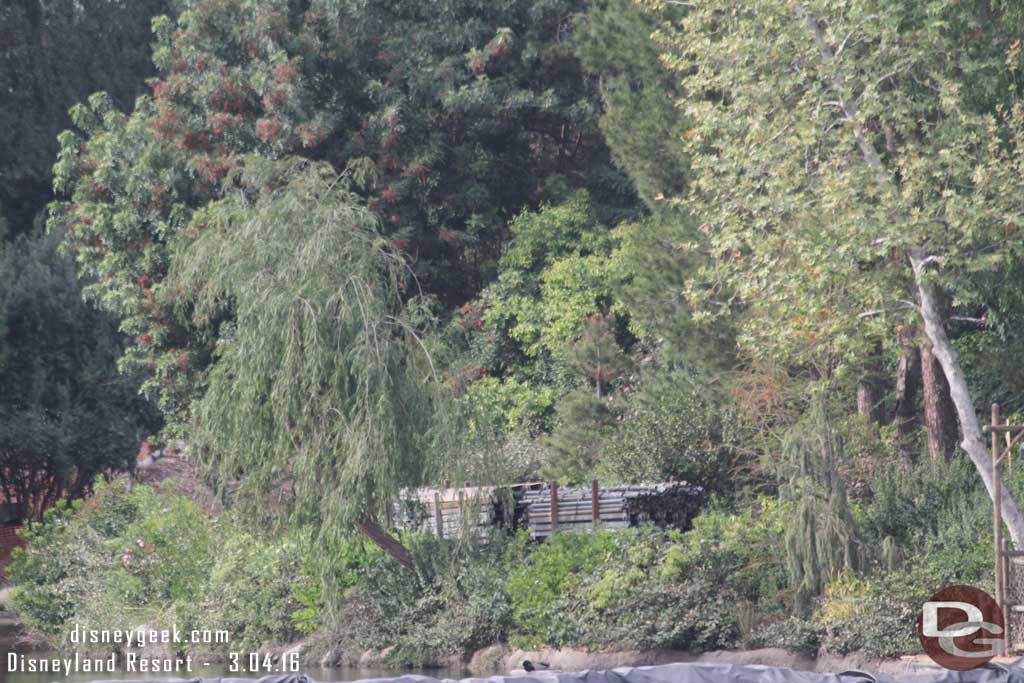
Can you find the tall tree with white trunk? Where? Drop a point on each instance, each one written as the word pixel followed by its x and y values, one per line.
pixel 856 163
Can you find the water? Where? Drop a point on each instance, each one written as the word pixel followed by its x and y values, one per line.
pixel 213 671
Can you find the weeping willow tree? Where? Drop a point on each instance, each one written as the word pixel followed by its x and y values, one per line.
pixel 821 538
pixel 321 399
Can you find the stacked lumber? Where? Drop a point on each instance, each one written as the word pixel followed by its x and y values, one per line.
pixel 452 512
pixel 667 505
pixel 448 512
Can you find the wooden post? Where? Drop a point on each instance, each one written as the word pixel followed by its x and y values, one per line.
pixel 1009 448
pixel 595 504
pixel 438 519
pixel 997 517
pixel 1006 600
pixel 554 506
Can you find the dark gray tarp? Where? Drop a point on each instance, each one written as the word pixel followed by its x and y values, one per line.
pixel 680 673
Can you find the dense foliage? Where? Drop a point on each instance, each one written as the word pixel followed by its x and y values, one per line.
pixel 164 557
pixel 66 416
pixel 720 585
pixel 772 249
pixel 52 55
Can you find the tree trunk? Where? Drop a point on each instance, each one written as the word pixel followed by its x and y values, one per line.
pixel 939 411
pixel 908 378
pixel 870 392
pixel 943 350
pixel 970 430
pixel 385 542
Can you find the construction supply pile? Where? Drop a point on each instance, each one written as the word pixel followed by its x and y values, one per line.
pixel 542 508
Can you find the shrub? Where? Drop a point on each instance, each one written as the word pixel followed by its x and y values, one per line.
pixel 871 616
pixel 166 554
pixel 794 634
pixel 552 571
pixel 123 558
pixel 454 604
pixel 740 552
pixel 249 592
pixel 671 431
pixel 632 600
pixel 70 553
pixel 39 574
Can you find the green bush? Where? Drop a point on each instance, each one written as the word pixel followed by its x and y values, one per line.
pixel 249 592
pixel 39 574
pixel 797 635
pixel 71 553
pixel 552 571
pixel 166 554
pixel 454 604
pixel 634 599
pixel 671 431
pixel 874 616
pixel 123 558
pixel 740 551
pixel 634 588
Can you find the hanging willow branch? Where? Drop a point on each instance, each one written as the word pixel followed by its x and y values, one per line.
pixel 320 384
pixel 821 538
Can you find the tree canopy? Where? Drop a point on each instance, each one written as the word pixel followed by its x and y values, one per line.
pixel 65 413
pixel 855 167
pixel 322 386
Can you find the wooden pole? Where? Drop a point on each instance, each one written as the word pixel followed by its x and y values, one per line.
pixel 554 506
pixel 1009 448
pixel 997 518
pixel 1006 599
pixel 438 519
pixel 595 506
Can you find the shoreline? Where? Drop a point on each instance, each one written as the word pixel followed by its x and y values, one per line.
pixel 500 659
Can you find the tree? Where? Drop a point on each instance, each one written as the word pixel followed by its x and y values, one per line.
pixel 520 338
pixel 66 415
pixel 670 430
pixel 443 98
pixel 642 124
pixel 597 356
pixel 479 111
pixel 823 540
pixel 585 428
pixel 53 54
pixel 321 386
pixel 856 166
pixel 639 113
pixel 230 84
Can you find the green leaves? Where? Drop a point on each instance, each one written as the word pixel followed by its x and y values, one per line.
pixel 827 138
pixel 65 412
pixel 320 385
